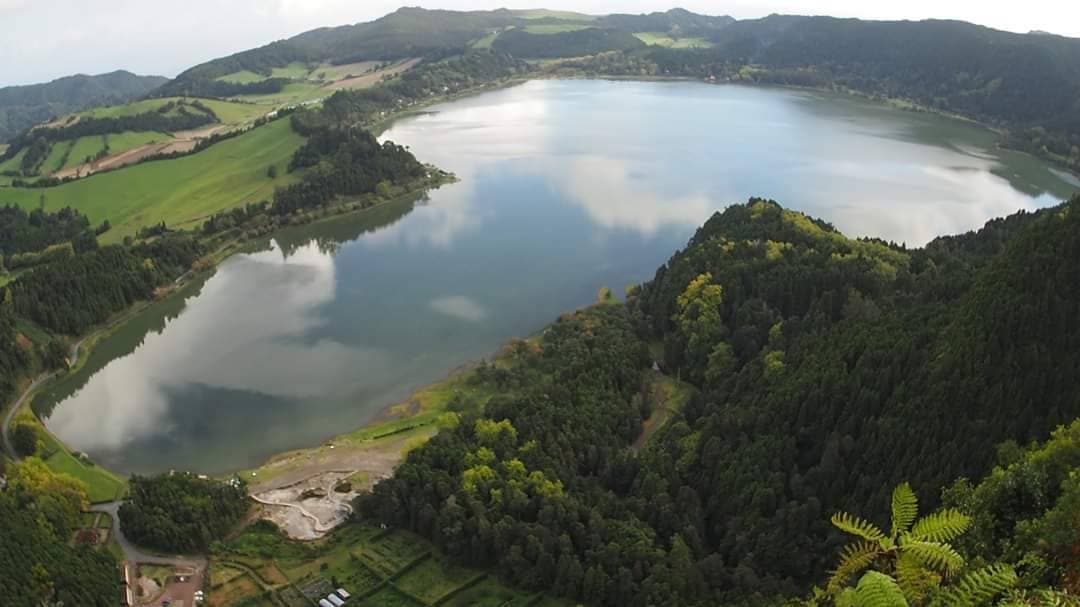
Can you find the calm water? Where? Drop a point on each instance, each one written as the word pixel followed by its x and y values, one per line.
pixel 565 187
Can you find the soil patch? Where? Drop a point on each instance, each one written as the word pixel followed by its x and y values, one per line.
pixel 369 80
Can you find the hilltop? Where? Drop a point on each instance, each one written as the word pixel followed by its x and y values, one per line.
pixel 23 106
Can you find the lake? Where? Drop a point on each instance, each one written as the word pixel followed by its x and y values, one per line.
pixel 566 187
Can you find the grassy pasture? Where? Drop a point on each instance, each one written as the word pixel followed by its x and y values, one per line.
pixel 294 92
pixel 227 112
pixel 85 147
pixel 544 13
pixel 242 77
pixel 295 71
pixel 555 28
pixel 179 192
pixel 337 72
pixel 55 160
pixel 101 485
pixel 665 40
pixel 486 41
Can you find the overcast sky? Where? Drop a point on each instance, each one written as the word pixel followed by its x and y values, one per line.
pixel 44 39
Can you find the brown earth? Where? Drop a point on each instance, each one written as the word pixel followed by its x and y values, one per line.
pixel 369 80
pixel 182 141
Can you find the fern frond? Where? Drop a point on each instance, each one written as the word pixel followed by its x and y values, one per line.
pixel 879 590
pixel 937 556
pixel 905 507
pixel 940 526
pixel 978 587
pixel 853 559
pixel 914 580
pixel 857 527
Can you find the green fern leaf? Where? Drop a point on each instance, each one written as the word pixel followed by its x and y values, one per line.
pixel 978 587
pixel 857 527
pixel 940 526
pixel 879 590
pixel 935 555
pixel 854 558
pixel 915 581
pixel 905 507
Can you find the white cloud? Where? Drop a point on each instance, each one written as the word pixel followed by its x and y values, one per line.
pixel 460 307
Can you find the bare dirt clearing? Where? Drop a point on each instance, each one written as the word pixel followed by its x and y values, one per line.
pixel 182 141
pixel 309 509
pixel 369 80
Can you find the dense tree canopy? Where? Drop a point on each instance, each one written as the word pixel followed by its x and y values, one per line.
pixel 70 295
pixel 181 512
pixel 829 371
pixel 39 511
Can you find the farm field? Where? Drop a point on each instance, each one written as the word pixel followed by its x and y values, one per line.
pixel 543 13
pixel 665 40
pixel 555 28
pixel 229 112
pixel 242 77
pixel 179 192
pixel 377 567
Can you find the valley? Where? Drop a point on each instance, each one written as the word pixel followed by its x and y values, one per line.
pixel 465 309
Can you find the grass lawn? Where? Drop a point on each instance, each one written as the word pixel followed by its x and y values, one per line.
pixel 180 192
pixel 663 39
pixel 555 28
pixel 433 579
pixel 130 140
pixel 295 70
pixel 127 109
pixel 231 112
pixel 486 41
pixel 334 73
pixel 13 164
pixel 544 13
pixel 228 112
pixel 294 92
pixel 102 485
pixel 391 597
pixel 242 77
pixel 85 147
pixel 55 160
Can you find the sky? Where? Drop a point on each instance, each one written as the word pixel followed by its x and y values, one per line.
pixel 41 40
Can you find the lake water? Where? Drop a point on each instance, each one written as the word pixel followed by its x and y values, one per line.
pixel 566 186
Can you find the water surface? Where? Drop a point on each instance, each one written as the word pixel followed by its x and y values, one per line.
pixel 566 186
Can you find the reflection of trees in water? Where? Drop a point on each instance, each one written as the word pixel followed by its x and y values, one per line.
pixel 151 320
pixel 328 236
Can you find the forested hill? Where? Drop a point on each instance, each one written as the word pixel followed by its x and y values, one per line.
pixel 1028 84
pixel 23 106
pixel 827 371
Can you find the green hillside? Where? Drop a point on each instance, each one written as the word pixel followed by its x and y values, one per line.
pixel 179 191
pixel 23 106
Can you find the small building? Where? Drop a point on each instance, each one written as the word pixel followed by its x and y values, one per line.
pixel 345 595
pixel 333 598
pixel 325 603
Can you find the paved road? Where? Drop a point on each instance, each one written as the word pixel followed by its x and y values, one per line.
pixel 132 552
pixel 5 429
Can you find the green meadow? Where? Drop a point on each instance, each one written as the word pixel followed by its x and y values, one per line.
pixel 180 192
pixel 555 28
pixel 242 77
pixel 665 40
pixel 228 112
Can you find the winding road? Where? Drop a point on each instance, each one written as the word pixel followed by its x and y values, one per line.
pixel 5 430
pixel 133 553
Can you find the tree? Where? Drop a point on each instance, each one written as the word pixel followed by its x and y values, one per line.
pixel 272 172
pixel 24 438
pixel 908 565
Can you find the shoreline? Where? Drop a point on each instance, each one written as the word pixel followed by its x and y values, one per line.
pixel 386 417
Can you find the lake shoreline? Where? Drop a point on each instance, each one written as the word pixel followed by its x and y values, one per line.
pixel 386 416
